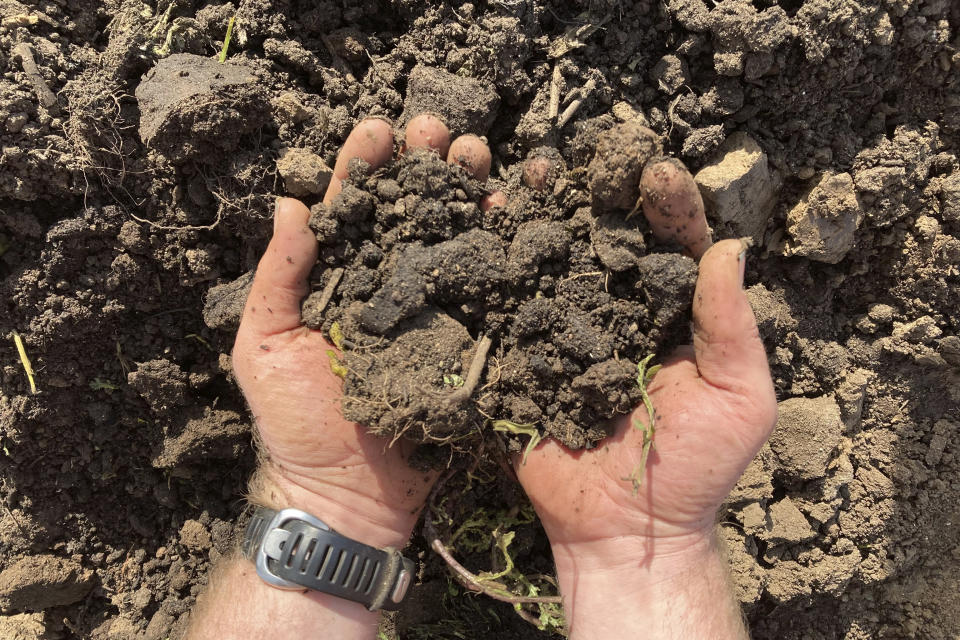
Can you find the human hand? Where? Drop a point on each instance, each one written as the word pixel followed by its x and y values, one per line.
pixel 715 406
pixel 315 459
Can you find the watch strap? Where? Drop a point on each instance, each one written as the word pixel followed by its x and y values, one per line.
pixel 295 550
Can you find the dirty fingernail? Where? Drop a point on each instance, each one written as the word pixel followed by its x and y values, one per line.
pixel 742 262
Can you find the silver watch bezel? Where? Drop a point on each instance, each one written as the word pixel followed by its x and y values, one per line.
pixel 261 562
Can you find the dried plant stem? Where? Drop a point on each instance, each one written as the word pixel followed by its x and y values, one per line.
pixel 463 394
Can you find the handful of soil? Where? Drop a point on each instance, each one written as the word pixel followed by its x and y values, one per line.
pixel 449 317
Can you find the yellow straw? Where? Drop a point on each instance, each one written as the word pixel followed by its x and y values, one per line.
pixel 25 361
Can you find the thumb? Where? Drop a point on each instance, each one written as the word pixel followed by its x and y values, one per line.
pixel 729 351
pixel 280 283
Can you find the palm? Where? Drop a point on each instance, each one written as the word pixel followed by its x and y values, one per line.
pixel 296 401
pixel 714 410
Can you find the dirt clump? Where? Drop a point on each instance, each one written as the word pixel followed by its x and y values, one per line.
pixel 39 582
pixel 621 154
pixel 192 107
pixel 427 274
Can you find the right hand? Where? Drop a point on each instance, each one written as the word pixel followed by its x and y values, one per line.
pixel 715 407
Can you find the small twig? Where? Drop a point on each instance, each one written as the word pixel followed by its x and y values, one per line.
pixel 163 227
pixel 571 110
pixel 330 289
pixel 463 394
pixel 555 92
pixel 46 97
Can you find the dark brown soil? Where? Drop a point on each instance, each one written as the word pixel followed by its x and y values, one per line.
pixel 131 215
pixel 427 277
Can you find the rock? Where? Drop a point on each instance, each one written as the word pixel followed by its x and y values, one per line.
pixel 225 302
pixel 39 582
pixel 219 434
pixel 194 536
pixel 304 173
pixel 738 186
pixel 618 242
pixel 193 107
pixel 670 73
pixel 824 223
pixel 950 198
pixel 785 524
pixel 807 433
pixel 467 105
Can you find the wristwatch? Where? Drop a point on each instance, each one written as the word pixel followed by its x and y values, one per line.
pixel 297 551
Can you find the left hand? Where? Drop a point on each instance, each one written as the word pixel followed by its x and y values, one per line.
pixel 315 459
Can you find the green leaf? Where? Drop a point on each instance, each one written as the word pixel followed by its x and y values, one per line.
pixel 518 430
pixel 226 41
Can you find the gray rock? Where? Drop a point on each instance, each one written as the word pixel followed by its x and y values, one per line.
pixel 738 186
pixel 467 105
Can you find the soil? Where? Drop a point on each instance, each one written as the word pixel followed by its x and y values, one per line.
pixel 134 205
pixel 428 278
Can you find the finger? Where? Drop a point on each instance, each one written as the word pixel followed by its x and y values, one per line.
pixel 726 340
pixel 280 283
pixel 371 141
pixel 427 131
pixel 493 199
pixel 471 153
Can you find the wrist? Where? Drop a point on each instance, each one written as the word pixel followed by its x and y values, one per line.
pixel 355 515
pixel 651 588
pixel 635 556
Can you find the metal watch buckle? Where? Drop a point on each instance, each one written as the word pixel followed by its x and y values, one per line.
pixel 273 538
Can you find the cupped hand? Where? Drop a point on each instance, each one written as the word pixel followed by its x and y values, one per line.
pixel 315 459
pixel 715 407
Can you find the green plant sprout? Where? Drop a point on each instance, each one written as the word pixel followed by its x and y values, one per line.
pixel 25 361
pixel 520 429
pixel 645 375
pixel 453 380
pixel 226 40
pixel 99 384
pixel 193 336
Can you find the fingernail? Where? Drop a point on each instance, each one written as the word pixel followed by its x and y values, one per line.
pixel 742 262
